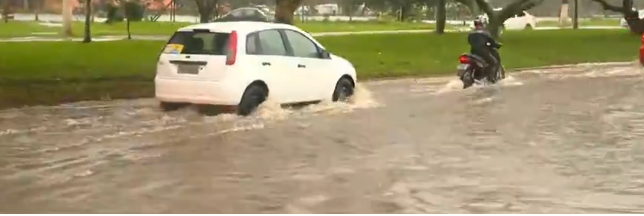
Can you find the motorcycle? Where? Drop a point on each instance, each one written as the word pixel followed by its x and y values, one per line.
pixel 471 72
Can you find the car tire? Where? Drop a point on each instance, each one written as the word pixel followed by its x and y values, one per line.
pixel 344 89
pixel 167 106
pixel 528 27
pixel 252 98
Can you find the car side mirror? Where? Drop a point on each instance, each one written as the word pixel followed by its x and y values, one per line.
pixel 325 54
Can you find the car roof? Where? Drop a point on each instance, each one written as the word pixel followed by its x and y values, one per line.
pixel 244 26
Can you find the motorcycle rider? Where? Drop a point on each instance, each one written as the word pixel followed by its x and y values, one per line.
pixel 483 45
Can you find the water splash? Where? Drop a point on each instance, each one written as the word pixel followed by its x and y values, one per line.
pixel 452 85
pixel 510 81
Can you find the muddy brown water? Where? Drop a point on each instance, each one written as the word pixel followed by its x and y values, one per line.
pixel 567 140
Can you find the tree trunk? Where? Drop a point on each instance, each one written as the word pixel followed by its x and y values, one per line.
pixel 495 27
pixel 350 12
pixel 129 33
pixel 575 18
pixel 37 6
pixel 498 18
pixel 88 22
pixel 67 18
pixel 6 7
pixel 204 16
pixel 206 9
pixel 563 13
pixel 284 10
pixel 441 16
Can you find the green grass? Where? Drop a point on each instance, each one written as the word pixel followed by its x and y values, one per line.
pixel 382 55
pixel 583 22
pixel 22 29
pixel 126 63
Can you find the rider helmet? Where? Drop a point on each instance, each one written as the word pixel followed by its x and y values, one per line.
pixel 480 22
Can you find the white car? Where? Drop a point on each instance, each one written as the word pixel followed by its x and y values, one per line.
pixel 521 21
pixel 244 63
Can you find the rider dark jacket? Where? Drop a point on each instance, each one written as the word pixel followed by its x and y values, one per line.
pixel 479 39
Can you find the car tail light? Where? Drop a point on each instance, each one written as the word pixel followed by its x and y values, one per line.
pixel 464 59
pixel 642 39
pixel 231 57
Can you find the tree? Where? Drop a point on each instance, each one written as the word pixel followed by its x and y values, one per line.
pixel 6 10
pixel 284 10
pixel 207 9
pixel 498 17
pixel 563 12
pixel 67 18
pixel 351 6
pixel 441 16
pixel 635 24
pixel 133 12
pixel 88 22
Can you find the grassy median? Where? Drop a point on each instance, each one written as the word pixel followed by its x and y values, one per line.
pixel 64 71
pixel 24 28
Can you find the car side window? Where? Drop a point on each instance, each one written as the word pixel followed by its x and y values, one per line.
pixel 521 14
pixel 271 43
pixel 301 45
pixel 252 47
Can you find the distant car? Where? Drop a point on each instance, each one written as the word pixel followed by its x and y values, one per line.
pixel 623 23
pixel 242 63
pixel 246 14
pixel 520 21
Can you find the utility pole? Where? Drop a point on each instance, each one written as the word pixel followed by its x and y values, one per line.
pixel 575 18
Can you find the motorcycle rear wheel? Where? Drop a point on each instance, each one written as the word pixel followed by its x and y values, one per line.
pixel 467 79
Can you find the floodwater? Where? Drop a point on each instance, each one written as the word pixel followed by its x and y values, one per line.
pixel 568 140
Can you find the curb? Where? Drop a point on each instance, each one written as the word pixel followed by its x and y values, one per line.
pixel 447 77
pixel 610 64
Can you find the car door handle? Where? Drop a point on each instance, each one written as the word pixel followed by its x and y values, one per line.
pixel 301 66
pixel 266 64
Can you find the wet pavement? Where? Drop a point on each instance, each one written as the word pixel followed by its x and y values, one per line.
pixel 567 140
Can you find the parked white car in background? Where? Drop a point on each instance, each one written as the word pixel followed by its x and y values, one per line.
pixel 520 21
pixel 242 64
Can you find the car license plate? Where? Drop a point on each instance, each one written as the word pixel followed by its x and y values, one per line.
pixel 188 69
pixel 463 66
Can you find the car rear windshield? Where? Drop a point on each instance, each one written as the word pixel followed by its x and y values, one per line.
pixel 198 42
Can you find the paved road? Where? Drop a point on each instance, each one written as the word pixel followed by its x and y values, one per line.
pixel 567 140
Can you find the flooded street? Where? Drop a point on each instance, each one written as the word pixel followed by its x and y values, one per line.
pixel 567 140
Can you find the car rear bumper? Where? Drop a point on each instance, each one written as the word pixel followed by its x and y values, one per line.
pixel 197 92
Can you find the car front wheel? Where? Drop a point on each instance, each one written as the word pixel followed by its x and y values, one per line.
pixel 344 89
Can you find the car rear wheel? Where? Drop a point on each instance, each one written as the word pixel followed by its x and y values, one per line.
pixel 167 106
pixel 344 89
pixel 253 97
